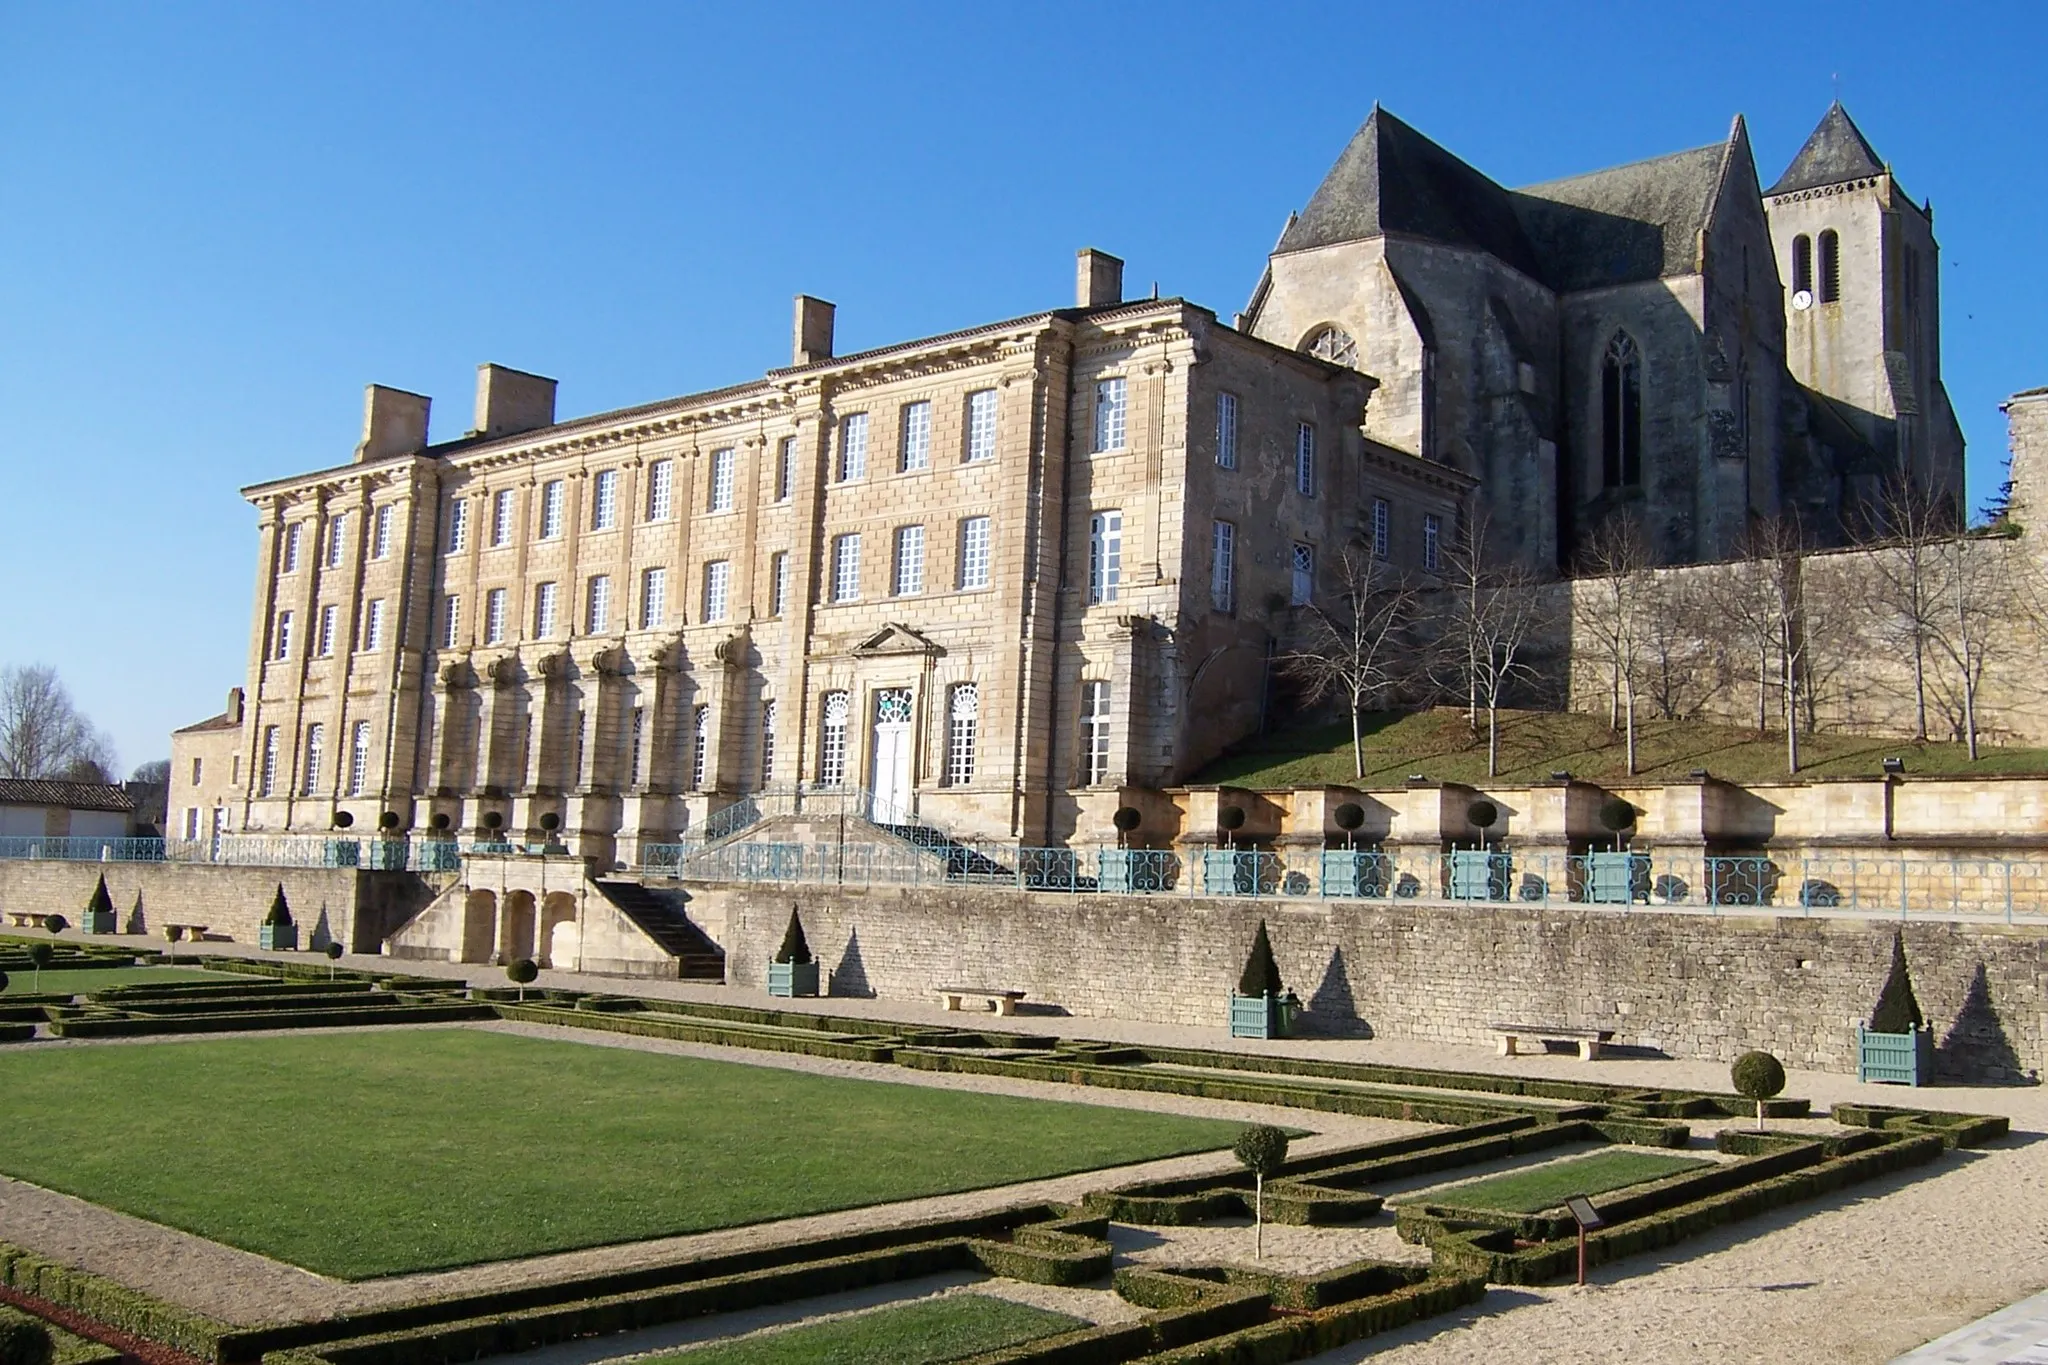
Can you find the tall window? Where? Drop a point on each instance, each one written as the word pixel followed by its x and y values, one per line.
pixel 636 757
pixel 451 621
pixel 198 767
pixel 1222 565
pixel 1382 528
pixel 323 633
pixel 1094 733
pixel 846 567
pixel 853 446
pixel 604 500
pixel 501 516
pixel 661 489
pixel 963 719
pixel 1305 459
pixel 974 552
pixel 282 637
pixel 1621 412
pixel 551 509
pixel 1226 430
pixel 700 746
pixel 266 770
pixel 1830 267
pixel 1105 555
pixel 494 617
pixel 597 604
pixel 380 532
pixel 717 589
pixel 1302 581
pixel 653 598
pixel 337 539
pixel 294 536
pixel 832 739
pixel 458 526
pixel 1432 541
pixel 916 452
pixel 778 583
pixel 785 469
pixel 545 601
pixel 767 742
pixel 1109 414
pixel 582 733
pixel 722 462
pixel 373 625
pixel 981 425
pixel 316 743
pixel 909 575
pixel 358 757
pixel 1802 264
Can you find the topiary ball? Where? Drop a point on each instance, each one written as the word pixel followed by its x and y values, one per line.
pixel 1262 1148
pixel 1349 816
pixel 24 1340
pixel 41 954
pixel 1230 817
pixel 1482 814
pixel 1617 814
pixel 523 971
pixel 1757 1075
pixel 1126 818
pixel 56 924
pixel 3 981
pixel 334 952
pixel 343 820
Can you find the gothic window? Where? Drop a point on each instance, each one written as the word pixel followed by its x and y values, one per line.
pixel 1802 264
pixel 1334 345
pixel 1621 413
pixel 1830 267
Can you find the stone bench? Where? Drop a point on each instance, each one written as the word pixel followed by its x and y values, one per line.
pixel 194 932
pixel 1588 1040
pixel 1002 1002
pixel 25 919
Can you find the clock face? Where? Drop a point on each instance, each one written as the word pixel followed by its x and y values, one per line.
pixel 1802 299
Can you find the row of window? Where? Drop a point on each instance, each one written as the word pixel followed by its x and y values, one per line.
pixel 334 543
pixel 326 632
pixel 1304 445
pixel 312 758
pixel 914 437
pixel 1830 266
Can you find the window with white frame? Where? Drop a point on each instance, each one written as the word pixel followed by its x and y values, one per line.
pixel 661 490
pixel 785 470
pixel 1094 733
pixel 981 425
pixel 916 449
pixel 1109 414
pixel 451 620
pixel 1382 528
pixel 767 742
pixel 1223 565
pixel 324 632
pixel 723 462
pixel 778 583
pixel 1302 588
pixel 717 589
pixel 458 526
pixel 337 539
pixel 373 625
pixel 358 757
pixel 316 744
pixel 551 509
pixel 546 598
pixel 846 567
pixel 294 537
pixel 909 574
pixel 653 598
pixel 266 769
pixel 853 446
pixel 1305 459
pixel 700 746
pixel 1105 556
pixel 1226 430
pixel 974 553
pixel 494 617
pixel 281 638
pixel 502 507
pixel 380 532
pixel 604 500
pixel 597 604
pixel 963 719
pixel 1432 541
pixel 832 739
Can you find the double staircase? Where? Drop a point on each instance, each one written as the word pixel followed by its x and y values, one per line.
pixel 697 957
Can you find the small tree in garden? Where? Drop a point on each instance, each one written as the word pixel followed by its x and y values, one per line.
pixel 101 903
pixel 522 973
pixel 1619 817
pixel 333 956
pixel 1261 975
pixel 24 1340
pixel 40 954
pixel 1758 1076
pixel 3 982
pixel 56 924
pixel 280 916
pixel 795 947
pixel 1262 1150
pixel 1897 1011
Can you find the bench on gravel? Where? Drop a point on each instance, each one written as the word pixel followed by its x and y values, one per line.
pixel 1588 1040
pixel 25 919
pixel 1002 1002
pixel 194 932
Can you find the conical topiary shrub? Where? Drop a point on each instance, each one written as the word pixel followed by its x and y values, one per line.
pixel 280 910
pixel 1256 1010
pixel 277 932
pixel 795 947
pixel 1897 1047
pixel 1261 975
pixel 1897 1010
pixel 793 971
pixel 99 910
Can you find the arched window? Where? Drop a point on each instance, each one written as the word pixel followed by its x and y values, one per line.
pixel 1802 264
pixel 1621 413
pixel 1333 344
pixel 1830 267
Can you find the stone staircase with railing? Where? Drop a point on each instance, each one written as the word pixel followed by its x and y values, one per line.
pixel 697 957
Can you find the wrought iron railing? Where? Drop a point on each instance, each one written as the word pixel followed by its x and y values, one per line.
pixel 248 850
pixel 82 849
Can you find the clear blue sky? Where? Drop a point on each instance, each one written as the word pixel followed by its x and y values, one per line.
pixel 217 223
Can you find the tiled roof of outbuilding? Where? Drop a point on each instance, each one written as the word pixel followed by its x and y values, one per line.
pixel 224 721
pixel 23 791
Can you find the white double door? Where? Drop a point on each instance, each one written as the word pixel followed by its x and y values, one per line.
pixel 889 765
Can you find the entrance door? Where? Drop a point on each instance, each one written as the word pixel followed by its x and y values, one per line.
pixel 889 779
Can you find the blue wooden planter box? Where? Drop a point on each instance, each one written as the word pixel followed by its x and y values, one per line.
pixel 278 938
pixel 1258 1016
pixel 1113 870
pixel 1480 874
pixel 791 979
pixel 1617 878
pixel 342 853
pixel 1354 872
pixel 1895 1058
pixel 440 855
pixel 1230 872
pixel 100 922
pixel 387 855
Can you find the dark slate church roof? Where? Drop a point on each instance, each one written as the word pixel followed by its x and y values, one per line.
pixel 1836 152
pixel 1628 223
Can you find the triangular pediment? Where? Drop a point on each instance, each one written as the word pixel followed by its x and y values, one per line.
pixel 896 638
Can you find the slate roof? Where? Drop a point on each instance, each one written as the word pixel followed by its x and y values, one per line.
pixel 1836 152
pixel 1635 222
pixel 20 791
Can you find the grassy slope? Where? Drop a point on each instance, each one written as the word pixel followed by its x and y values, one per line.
pixel 1440 745
pixel 366 1154
pixel 911 1334
pixel 1547 1187
pixel 83 980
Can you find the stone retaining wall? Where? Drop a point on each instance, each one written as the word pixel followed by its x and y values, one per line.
pixel 358 907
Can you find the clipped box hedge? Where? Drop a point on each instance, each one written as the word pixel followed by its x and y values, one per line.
pixel 122 1026
pixel 110 1304
pixel 661 1024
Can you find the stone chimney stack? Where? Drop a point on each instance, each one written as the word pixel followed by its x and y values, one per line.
pixel 511 401
pixel 1098 279
pixel 394 423
pixel 2026 417
pixel 235 705
pixel 812 339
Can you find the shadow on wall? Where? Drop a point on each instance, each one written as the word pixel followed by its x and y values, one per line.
pixel 850 977
pixel 1976 1048
pixel 1333 1010
pixel 323 933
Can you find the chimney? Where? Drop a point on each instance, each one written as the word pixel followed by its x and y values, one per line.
pixel 813 333
pixel 1098 279
pixel 235 705
pixel 510 401
pixel 394 423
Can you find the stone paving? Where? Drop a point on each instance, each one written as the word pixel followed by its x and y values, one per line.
pixel 2012 1336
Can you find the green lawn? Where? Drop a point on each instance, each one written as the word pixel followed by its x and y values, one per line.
pixel 367 1154
pixel 1547 1187
pixel 84 980
pixel 913 1334
pixel 1442 747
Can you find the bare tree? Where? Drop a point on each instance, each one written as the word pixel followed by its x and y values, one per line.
pixel 1354 644
pixel 1901 579
pixel 1678 675
pixel 1761 599
pixel 42 734
pixel 155 772
pixel 1983 592
pixel 1613 606
pixel 1490 614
